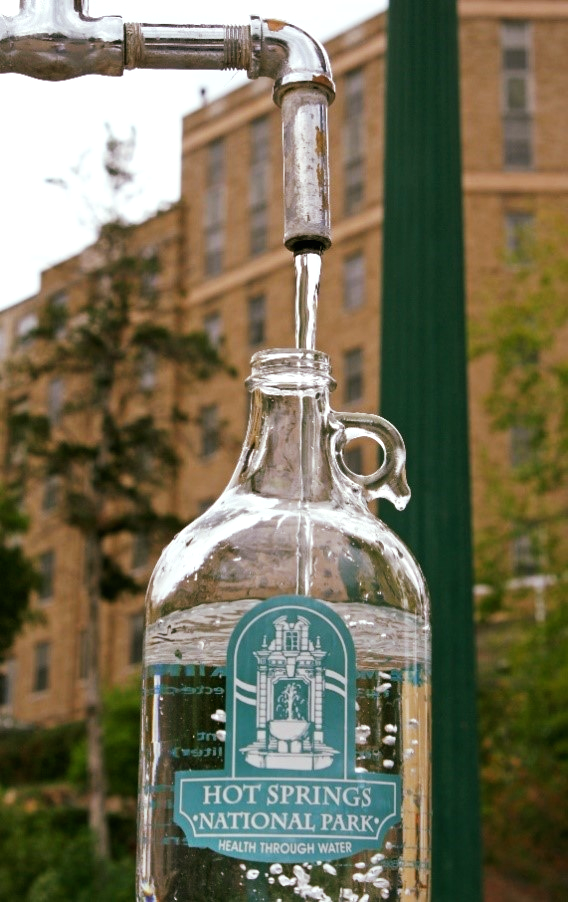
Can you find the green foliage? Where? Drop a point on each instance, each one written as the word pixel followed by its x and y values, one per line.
pixel 524 663
pixel 524 731
pixel 19 576
pixel 523 329
pixel 121 741
pixel 49 858
pixel 38 755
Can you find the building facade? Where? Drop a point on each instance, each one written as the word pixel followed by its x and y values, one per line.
pixel 223 264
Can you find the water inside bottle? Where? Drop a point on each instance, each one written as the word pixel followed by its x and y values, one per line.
pixel 184 684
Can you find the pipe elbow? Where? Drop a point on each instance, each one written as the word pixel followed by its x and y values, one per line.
pixel 289 56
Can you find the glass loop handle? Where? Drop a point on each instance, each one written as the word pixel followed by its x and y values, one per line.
pixel 389 481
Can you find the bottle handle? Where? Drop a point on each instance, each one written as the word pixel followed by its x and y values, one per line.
pixel 389 481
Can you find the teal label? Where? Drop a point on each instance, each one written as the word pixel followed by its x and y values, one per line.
pixel 289 790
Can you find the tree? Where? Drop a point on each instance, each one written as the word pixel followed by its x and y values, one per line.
pixel 523 330
pixel 523 671
pixel 110 444
pixel 19 576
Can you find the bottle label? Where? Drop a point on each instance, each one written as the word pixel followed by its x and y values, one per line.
pixel 289 790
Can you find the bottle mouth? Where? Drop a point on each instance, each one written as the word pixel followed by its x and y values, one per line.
pixel 291 368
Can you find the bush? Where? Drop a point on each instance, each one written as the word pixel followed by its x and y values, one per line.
pixel 524 730
pixel 37 755
pixel 51 860
pixel 121 737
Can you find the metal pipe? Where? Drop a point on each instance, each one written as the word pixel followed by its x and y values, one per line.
pixel 55 40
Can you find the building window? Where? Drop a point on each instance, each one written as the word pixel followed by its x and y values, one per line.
pixel 259 183
pixel 353 140
pixel 517 95
pixel 51 489
pixel 353 457
pixel 83 664
pixel 17 431
pixel 136 643
pixel 524 556
pixel 149 271
pixel 55 392
pixel 354 281
pixel 147 365
pixel 41 667
pixel 519 232
pixel 140 550
pixel 209 420
pixel 522 445
pixel 291 641
pixel 58 313
pixel 46 572
pixel 25 327
pixel 215 208
pixel 213 328
pixel 257 319
pixel 7 680
pixel 353 374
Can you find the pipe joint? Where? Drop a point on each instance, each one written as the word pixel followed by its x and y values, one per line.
pixel 291 57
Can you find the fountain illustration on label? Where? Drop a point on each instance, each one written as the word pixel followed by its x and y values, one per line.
pixel 290 685
pixel 289 786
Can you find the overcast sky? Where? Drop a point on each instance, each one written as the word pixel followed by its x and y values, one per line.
pixel 48 126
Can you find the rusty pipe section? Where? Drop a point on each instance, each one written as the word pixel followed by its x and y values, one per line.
pixel 303 88
pixel 56 40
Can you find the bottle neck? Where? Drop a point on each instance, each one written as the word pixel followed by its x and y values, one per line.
pixel 286 453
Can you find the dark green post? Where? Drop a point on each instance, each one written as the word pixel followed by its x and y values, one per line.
pixel 423 391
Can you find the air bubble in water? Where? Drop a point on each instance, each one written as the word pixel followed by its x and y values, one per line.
pixel 275 868
pixel 362 734
pixel 329 868
pixel 388 763
pixel 252 874
pixel 219 716
pixel 221 735
pixel 300 874
pixel 391 728
pixel 389 740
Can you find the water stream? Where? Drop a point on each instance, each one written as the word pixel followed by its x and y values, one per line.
pixel 308 273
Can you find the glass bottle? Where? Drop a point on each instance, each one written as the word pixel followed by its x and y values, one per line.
pixel 285 726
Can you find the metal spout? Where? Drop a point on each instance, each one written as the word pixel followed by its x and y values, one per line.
pixel 303 88
pixel 56 40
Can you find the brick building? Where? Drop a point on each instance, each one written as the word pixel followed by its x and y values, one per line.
pixel 223 266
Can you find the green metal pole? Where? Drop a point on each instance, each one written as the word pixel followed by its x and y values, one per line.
pixel 424 391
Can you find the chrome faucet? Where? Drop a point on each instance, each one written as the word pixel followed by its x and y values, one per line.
pixel 56 40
